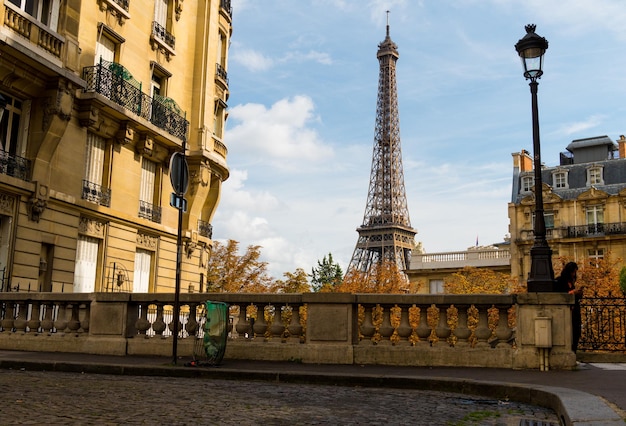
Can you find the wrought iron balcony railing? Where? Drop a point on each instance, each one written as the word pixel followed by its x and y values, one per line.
pixel 225 4
pixel 124 4
pixel 161 32
pixel 220 72
pixel 96 194
pixel 596 229
pixel 205 229
pixel 114 82
pixel 12 165
pixel 149 211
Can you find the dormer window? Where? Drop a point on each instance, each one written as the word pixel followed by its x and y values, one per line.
pixel 594 176
pixel 527 183
pixel 559 179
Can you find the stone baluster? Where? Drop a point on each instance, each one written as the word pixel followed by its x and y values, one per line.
pixel 260 323
pixel 461 331
pixel 423 330
pixel 243 324
pixel 21 319
pixel 443 330
pixel 432 317
pixel 483 332
pixel 286 313
pixel 192 322
pixel 73 325
pixel 278 327
pixel 85 308
pixel 34 322
pixel 395 319
pixel 158 325
pixel 303 313
pixel 386 328
pixel 142 324
pixel 269 313
pixel 294 327
pixel 414 322
pixel 60 323
pixel 377 322
pixel 503 332
pixel 182 321
pixel 47 321
pixel 404 328
pixel 9 317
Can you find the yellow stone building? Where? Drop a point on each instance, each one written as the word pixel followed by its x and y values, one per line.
pixel 99 94
pixel 584 203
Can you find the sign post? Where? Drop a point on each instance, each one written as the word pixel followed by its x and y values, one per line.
pixel 179 177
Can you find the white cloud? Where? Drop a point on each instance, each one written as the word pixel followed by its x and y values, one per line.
pixel 278 134
pixel 580 126
pixel 250 59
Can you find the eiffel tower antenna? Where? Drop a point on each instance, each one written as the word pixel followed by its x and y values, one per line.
pixel 386 232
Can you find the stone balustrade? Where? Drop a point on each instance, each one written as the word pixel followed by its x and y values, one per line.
pixel 506 331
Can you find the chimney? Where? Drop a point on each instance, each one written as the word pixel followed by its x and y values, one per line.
pixel 621 143
pixel 523 161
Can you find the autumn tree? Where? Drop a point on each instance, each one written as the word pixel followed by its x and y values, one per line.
pixel 295 282
pixel 599 277
pixel 383 277
pixel 227 271
pixel 470 280
pixel 326 276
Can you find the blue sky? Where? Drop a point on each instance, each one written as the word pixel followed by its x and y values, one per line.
pixel 303 80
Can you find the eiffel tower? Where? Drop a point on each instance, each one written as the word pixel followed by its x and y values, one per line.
pixel 386 232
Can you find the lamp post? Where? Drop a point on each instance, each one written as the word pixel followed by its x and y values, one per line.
pixel 531 49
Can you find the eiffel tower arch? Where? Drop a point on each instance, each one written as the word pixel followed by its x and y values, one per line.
pixel 386 232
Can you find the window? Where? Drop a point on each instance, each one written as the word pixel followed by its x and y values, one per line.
pixel 44 11
pixel 559 180
pixel 596 255
pixel 105 49
pixel 6 224
pixel 548 218
pixel 94 165
pixel 594 176
pixel 147 191
pixel 141 278
pixel 595 219
pixel 436 286
pixel 161 27
pixel 218 119
pixel 527 183
pixel 14 126
pixel 86 264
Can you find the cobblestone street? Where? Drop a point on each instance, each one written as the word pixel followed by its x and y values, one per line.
pixel 71 398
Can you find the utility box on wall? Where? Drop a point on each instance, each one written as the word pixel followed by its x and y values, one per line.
pixel 543 332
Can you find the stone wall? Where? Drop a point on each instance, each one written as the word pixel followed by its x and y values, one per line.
pixel 529 331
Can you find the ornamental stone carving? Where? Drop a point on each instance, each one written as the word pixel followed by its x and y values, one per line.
pixel 91 227
pixel 147 242
pixel 7 204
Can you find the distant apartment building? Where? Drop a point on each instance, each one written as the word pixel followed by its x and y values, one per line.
pixel 584 203
pixel 428 271
pixel 96 97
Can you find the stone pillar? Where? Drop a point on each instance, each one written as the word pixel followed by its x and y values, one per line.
pixel 530 347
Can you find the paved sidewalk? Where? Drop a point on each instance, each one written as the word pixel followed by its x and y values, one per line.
pixel 594 394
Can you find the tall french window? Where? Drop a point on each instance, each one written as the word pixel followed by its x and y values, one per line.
pixel 141 278
pixel 86 264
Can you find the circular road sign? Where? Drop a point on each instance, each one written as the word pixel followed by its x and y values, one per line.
pixel 179 173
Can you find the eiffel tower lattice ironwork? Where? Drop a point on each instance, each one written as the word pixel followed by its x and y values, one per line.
pixel 386 232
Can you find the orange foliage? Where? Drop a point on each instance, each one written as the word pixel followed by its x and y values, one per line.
pixel 384 277
pixel 470 280
pixel 598 276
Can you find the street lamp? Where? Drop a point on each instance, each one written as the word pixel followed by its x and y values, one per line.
pixel 531 49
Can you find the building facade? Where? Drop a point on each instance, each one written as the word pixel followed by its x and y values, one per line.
pixel 99 94
pixel 428 271
pixel 584 203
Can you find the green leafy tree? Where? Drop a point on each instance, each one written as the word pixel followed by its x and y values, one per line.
pixel 295 282
pixel 230 272
pixel 327 276
pixel 622 280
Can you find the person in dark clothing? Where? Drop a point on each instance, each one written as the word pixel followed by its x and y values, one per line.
pixel 566 283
